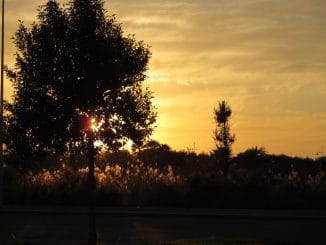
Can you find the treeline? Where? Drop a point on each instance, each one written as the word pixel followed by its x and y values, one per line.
pixel 156 175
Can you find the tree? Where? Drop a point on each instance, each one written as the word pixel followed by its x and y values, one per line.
pixel 222 135
pixel 254 165
pixel 77 80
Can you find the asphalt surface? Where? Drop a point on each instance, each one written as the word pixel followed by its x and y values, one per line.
pixel 69 225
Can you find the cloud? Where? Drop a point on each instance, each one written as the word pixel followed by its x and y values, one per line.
pixel 266 57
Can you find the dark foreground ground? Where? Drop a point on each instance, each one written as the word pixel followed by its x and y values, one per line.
pixel 161 226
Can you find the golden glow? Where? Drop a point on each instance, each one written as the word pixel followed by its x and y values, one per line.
pixel 95 127
pixel 98 144
pixel 266 58
pixel 93 124
pixel 127 146
pixel 125 175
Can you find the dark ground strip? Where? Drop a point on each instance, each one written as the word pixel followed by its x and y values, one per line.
pixel 44 228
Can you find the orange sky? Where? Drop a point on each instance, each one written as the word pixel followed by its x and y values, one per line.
pixel 267 58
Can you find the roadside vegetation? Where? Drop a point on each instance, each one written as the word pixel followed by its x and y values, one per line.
pixel 159 176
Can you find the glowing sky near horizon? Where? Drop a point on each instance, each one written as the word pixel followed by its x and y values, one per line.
pixel 267 58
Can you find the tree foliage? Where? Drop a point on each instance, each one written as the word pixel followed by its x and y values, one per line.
pixel 72 67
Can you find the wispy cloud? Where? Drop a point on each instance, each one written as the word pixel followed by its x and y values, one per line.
pixel 266 57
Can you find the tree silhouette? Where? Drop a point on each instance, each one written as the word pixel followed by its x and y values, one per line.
pixel 222 135
pixel 255 162
pixel 77 80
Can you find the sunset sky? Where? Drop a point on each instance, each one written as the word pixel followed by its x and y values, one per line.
pixel 267 58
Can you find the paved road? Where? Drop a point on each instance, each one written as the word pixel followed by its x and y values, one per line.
pixel 148 226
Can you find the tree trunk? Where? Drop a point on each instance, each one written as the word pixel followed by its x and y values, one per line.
pixel 226 168
pixel 92 236
pixel 24 187
pixel 1 183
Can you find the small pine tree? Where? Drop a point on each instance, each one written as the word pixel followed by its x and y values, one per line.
pixel 222 135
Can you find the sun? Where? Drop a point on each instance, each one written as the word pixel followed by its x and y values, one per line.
pixel 93 124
